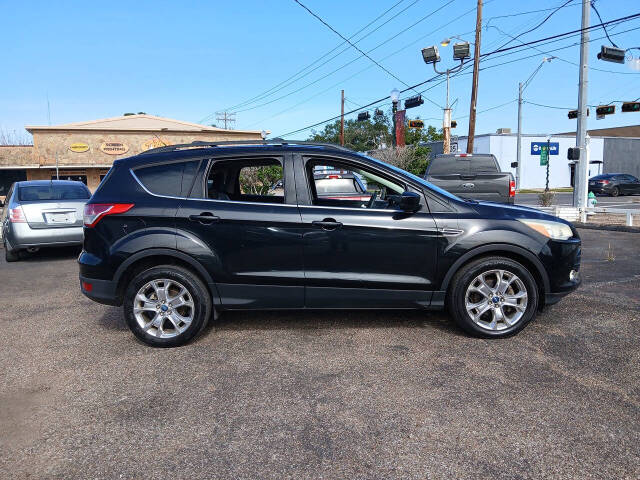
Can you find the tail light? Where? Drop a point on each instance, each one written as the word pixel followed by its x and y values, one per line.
pixel 512 188
pixel 16 215
pixel 94 212
pixel 605 182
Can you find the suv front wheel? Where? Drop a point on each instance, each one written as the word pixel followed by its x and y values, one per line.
pixel 493 297
pixel 166 306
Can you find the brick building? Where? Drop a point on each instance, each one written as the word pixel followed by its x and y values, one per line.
pixel 86 150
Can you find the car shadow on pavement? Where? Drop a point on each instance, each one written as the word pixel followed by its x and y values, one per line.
pixel 332 319
pixel 112 319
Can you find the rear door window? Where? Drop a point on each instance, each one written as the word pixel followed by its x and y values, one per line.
pixel 35 193
pixel 170 179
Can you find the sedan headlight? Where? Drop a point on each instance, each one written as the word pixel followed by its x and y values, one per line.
pixel 553 230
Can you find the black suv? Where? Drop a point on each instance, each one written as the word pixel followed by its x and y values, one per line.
pixel 178 234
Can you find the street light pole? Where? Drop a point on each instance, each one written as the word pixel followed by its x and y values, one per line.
pixel 521 88
pixel 446 118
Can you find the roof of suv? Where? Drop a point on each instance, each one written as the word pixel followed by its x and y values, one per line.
pixel 197 149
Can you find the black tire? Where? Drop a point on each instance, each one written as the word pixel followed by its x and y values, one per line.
pixel 10 255
pixel 615 191
pixel 456 298
pixel 196 289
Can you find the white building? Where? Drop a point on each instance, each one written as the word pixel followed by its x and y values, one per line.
pixel 561 170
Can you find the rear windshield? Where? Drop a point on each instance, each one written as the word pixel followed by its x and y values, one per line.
pixel 449 166
pixel 462 165
pixel 601 177
pixel 34 193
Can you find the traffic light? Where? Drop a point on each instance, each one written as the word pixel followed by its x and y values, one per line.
pixel 631 107
pixel 454 124
pixel 606 110
pixel 363 116
pixel 378 112
pixel 416 124
pixel 413 101
pixel 611 54
pixel 573 153
pixel 574 114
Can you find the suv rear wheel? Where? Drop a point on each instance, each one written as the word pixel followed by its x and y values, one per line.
pixel 493 297
pixel 166 306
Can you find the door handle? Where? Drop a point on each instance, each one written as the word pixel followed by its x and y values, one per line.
pixel 327 224
pixel 205 218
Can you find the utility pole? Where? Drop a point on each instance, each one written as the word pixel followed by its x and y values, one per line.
pixel 519 143
pixel 580 190
pixel 446 123
pixel 227 118
pixel 474 85
pixel 342 119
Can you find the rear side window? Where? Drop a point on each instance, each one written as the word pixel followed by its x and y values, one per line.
pixel 171 179
pixel 34 193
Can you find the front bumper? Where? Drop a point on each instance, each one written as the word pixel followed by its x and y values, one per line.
pixel 563 268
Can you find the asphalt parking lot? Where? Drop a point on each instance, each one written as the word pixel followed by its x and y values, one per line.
pixel 322 394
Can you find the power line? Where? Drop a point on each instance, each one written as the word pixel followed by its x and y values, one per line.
pixel 499 50
pixel 352 44
pixel 287 81
pixel 539 24
pixel 593 5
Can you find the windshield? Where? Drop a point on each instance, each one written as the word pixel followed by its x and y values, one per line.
pixel 52 191
pixel 415 178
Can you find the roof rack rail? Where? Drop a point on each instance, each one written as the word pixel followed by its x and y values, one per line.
pixel 273 141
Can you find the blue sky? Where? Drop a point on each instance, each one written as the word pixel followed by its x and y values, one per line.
pixel 187 60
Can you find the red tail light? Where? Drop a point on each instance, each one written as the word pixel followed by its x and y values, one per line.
pixel 94 212
pixel 512 188
pixel 605 182
pixel 16 215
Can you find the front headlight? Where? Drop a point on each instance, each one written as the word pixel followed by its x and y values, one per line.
pixel 553 230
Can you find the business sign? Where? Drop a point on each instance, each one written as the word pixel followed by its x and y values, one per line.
pixel 114 148
pixel 155 143
pixel 536 148
pixel 400 116
pixel 78 147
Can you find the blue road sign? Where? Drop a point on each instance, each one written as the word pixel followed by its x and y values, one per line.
pixel 554 148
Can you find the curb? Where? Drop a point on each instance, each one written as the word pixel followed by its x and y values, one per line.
pixel 610 228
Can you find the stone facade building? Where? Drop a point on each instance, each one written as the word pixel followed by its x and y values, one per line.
pixel 85 151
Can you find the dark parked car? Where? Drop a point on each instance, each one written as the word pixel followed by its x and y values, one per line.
pixel 172 236
pixel 614 184
pixel 475 176
pixel 42 213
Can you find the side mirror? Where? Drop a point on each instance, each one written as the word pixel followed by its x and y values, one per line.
pixel 409 201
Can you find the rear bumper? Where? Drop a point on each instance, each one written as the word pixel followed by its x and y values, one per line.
pixel 21 235
pixel 101 291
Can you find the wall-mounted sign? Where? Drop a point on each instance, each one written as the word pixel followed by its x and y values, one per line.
pixel 536 148
pixel 155 142
pixel 78 147
pixel 114 148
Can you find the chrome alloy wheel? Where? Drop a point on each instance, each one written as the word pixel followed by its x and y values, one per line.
pixel 496 300
pixel 163 308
